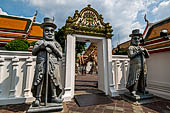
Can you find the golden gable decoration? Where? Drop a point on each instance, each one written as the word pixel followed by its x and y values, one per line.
pixel 88 22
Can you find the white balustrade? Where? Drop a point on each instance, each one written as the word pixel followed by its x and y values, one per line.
pixel 16 77
pixel 120 68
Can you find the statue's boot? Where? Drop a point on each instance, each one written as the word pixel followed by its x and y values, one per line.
pixel 36 103
pixel 134 93
pixel 56 100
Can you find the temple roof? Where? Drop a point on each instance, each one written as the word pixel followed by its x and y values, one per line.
pixel 12 27
pixel 153 41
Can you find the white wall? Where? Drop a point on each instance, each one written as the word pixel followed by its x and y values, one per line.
pixel 159 74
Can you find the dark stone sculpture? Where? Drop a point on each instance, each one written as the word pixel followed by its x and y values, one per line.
pixel 138 71
pixel 49 53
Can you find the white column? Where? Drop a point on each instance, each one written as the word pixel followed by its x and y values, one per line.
pixel 27 90
pixel 14 78
pixel 102 66
pixel 70 68
pixel 111 84
pixel 1 73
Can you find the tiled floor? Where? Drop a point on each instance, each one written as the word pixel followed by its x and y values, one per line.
pixel 87 84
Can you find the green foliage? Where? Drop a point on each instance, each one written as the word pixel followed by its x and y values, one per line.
pixel 59 35
pixel 80 47
pixel 120 51
pixel 18 45
pixel 33 43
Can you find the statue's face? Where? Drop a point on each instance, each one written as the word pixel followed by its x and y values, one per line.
pixel 48 33
pixel 136 40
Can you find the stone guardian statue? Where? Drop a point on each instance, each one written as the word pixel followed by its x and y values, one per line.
pixel 138 71
pixel 49 53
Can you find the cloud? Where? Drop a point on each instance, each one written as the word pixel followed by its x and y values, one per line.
pixel 121 14
pixel 162 10
pixel 2 12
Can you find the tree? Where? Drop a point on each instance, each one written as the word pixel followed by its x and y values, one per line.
pixel 59 35
pixel 18 45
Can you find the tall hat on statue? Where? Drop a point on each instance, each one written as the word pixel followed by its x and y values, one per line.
pixel 48 22
pixel 135 33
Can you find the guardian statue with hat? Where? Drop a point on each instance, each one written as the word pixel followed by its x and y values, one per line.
pixel 47 73
pixel 138 71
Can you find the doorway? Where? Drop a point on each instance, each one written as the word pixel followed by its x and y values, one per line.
pixel 88 25
pixel 103 65
pixel 86 70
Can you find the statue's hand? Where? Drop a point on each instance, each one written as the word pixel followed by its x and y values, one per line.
pixel 142 49
pixel 48 50
pixel 51 45
pixel 138 52
pixel 46 43
pixel 42 46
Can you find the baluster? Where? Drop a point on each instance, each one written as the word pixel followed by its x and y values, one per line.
pixel 27 90
pixel 117 74
pixel 126 63
pixel 1 73
pixel 15 64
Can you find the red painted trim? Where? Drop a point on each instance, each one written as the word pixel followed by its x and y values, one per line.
pixel 145 30
pixel 155 41
pixel 159 50
pixel 3 44
pixel 19 37
pixel 34 38
pixel 14 31
pixel 10 37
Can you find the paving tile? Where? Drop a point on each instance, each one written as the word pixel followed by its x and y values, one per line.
pixel 99 109
pixel 128 109
pixel 118 112
pixel 138 111
pixel 119 109
pixel 117 106
pixel 110 107
pixel 108 111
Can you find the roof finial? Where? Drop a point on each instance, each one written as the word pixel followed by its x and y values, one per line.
pixel 89 5
pixel 146 20
pixel 36 12
pixel 53 18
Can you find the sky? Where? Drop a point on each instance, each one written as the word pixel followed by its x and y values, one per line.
pixel 123 15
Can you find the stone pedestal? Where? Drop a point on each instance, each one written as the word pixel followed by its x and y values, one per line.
pixel 139 99
pixel 53 107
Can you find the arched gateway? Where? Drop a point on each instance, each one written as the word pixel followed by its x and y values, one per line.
pixel 83 26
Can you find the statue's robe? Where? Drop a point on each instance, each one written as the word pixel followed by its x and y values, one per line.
pixel 138 67
pixel 41 65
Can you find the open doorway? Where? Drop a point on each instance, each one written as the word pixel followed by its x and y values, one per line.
pixel 86 71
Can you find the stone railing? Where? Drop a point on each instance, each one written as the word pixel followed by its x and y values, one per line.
pixel 120 67
pixel 16 76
